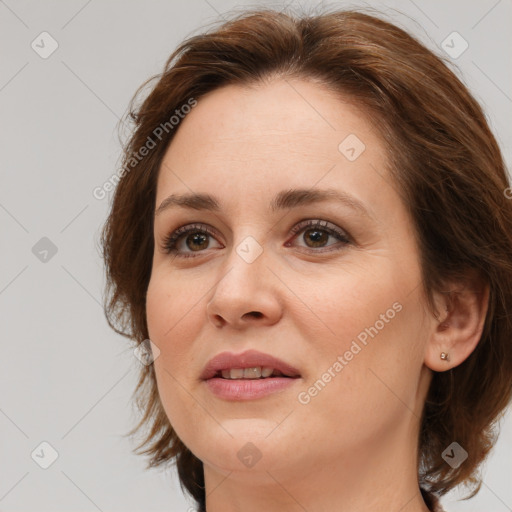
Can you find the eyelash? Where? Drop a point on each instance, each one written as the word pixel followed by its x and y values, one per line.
pixel 171 240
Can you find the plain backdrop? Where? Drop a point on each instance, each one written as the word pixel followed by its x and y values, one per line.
pixel 67 379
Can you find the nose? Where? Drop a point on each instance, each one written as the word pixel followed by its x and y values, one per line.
pixel 245 294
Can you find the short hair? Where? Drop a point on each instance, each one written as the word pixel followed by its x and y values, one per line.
pixel 443 158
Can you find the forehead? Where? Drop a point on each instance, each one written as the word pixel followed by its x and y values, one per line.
pixel 279 134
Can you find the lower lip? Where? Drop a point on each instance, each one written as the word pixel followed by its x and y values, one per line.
pixel 247 389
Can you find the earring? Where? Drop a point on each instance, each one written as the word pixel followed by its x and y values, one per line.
pixel 444 356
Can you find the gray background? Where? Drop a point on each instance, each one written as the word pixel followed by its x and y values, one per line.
pixel 65 377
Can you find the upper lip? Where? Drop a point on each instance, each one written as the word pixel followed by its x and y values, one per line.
pixel 247 359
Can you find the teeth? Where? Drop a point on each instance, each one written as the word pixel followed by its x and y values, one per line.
pixel 249 373
pixel 252 373
pixel 266 371
pixel 236 373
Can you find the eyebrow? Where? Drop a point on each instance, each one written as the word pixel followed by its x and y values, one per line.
pixel 285 199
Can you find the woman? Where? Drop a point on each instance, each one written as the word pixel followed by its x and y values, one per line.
pixel 312 228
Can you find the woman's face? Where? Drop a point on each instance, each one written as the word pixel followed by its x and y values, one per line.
pixel 329 285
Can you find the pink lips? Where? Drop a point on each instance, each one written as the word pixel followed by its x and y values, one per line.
pixel 247 389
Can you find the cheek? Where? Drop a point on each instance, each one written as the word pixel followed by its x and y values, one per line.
pixel 172 309
pixel 365 346
pixel 172 324
pixel 174 317
pixel 336 306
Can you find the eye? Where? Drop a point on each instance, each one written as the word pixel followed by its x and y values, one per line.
pixel 195 236
pixel 317 233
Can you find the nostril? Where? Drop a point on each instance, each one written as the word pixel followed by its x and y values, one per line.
pixel 219 320
pixel 255 314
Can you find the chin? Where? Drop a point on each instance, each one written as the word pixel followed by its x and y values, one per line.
pixel 250 449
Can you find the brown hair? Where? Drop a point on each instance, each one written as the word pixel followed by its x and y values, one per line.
pixel 447 167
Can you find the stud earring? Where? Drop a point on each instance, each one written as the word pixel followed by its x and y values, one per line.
pixel 444 356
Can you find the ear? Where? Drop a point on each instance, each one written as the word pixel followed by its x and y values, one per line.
pixel 458 329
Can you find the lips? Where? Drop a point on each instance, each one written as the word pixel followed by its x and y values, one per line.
pixel 226 361
pixel 246 377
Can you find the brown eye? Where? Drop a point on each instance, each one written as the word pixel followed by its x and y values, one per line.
pixel 318 237
pixel 316 234
pixel 197 241
pixel 196 237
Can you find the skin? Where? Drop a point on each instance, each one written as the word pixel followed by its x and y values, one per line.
pixel 353 445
